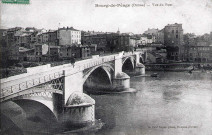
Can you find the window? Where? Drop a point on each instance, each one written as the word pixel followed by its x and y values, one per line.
pixel 176 31
pixel 176 36
pixel 172 31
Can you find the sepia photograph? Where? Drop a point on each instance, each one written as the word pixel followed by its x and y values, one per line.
pixel 106 67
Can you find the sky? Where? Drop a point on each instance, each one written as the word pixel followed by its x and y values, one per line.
pixel 194 15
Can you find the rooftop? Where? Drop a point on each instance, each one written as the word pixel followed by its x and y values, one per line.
pixel 174 25
pixel 68 28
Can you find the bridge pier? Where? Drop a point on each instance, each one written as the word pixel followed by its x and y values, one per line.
pixel 140 69
pixel 79 110
pixel 121 82
pixel 79 115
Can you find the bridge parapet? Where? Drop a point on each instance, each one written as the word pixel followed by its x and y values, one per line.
pixel 85 64
pixel 10 86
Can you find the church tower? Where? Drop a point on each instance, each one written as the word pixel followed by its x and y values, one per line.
pixel 118 32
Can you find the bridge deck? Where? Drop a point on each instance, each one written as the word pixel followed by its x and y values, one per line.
pixel 42 74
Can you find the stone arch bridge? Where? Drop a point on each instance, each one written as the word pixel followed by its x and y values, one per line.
pixel 59 89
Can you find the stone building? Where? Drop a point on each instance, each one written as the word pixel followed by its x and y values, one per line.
pixel 197 48
pixel 151 31
pixel 99 39
pixel 40 51
pixel 26 54
pixel 159 37
pixel 79 51
pixel 68 36
pixel 52 38
pixel 173 40
pixel 123 42
pixel 199 53
pixel 24 40
pixel 11 42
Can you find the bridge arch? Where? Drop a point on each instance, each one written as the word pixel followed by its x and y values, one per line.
pixel 44 106
pixel 108 68
pixel 99 77
pixel 128 63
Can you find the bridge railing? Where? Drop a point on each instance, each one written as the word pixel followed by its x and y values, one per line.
pixel 125 54
pixel 7 90
pixel 95 61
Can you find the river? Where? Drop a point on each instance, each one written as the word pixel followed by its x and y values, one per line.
pixel 175 103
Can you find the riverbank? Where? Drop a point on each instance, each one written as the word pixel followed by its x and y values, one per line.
pixel 178 67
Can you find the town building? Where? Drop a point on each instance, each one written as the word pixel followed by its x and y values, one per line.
pixel 99 39
pixel 146 39
pixel 53 53
pixel 24 40
pixel 197 48
pixel 10 35
pixel 159 37
pixel 124 42
pixel 40 51
pixel 151 31
pixel 44 52
pixel 52 38
pixel 26 54
pixel 68 36
pixel 78 51
pixel 11 42
pixel 199 53
pixel 173 40
pixel 68 51
pixel 112 41
pixel 87 50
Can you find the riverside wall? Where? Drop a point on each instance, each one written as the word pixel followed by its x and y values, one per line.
pixel 178 66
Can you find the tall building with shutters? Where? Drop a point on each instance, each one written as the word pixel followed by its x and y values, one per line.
pixel 173 40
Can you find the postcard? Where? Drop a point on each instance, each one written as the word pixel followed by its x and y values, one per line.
pixel 106 67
